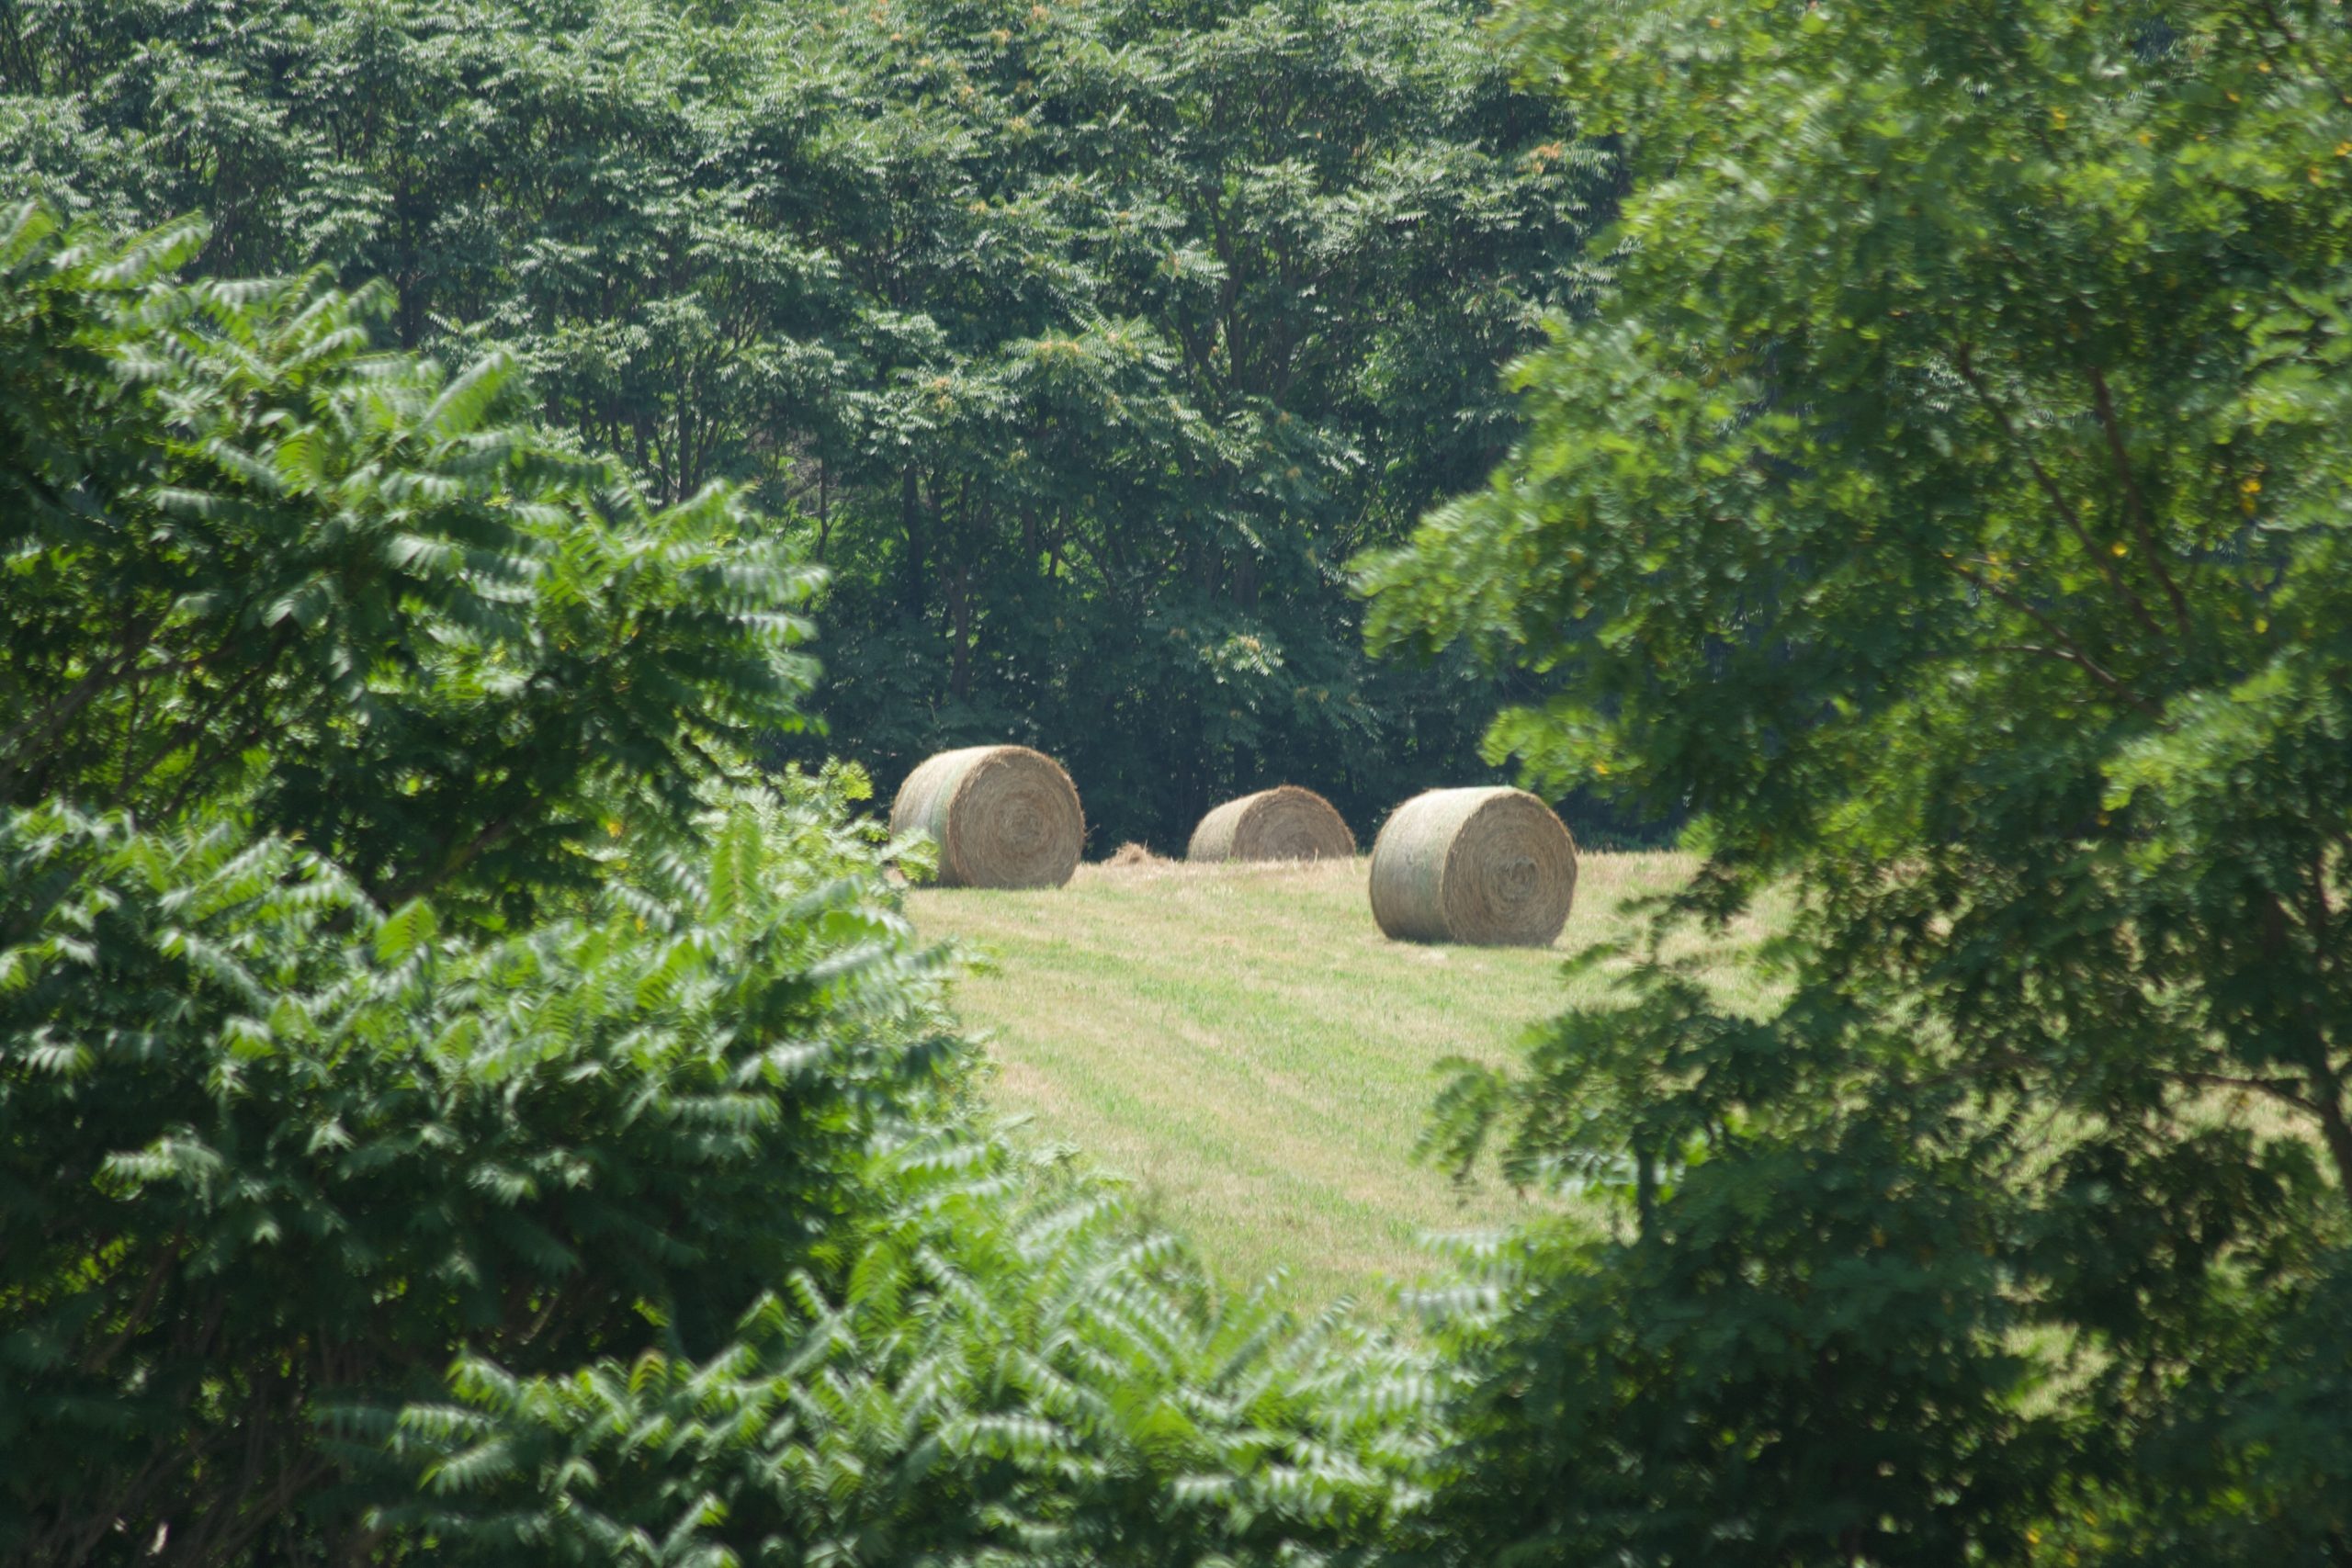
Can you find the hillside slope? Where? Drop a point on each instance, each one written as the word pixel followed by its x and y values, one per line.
pixel 1242 1044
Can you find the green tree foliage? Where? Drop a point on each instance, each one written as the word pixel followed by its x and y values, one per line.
pixel 258 1169
pixel 1269 253
pixel 1005 1378
pixel 243 548
pixel 1092 338
pixel 1948 505
pixel 375 1187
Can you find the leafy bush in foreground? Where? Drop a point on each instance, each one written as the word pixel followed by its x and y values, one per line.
pixel 250 558
pixel 449 1107
pixel 270 1152
pixel 1009 1373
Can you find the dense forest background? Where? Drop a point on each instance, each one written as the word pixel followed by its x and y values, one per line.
pixel 1087 342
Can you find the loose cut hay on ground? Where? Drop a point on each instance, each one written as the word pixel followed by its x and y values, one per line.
pixel 1002 817
pixel 1283 823
pixel 1490 868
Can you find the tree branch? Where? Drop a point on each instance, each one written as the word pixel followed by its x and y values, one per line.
pixel 2326 1085
pixel 2284 1091
pixel 2069 649
pixel 1966 362
pixel 40 726
pixel 2134 506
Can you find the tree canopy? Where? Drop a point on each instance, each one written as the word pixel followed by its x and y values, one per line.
pixel 1089 341
pixel 1947 501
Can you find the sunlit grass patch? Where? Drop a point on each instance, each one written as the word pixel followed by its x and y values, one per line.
pixel 1242 1042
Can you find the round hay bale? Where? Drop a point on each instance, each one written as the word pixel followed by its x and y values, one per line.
pixel 1283 823
pixel 1492 867
pixel 1002 817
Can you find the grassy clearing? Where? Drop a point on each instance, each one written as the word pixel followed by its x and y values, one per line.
pixel 1242 1044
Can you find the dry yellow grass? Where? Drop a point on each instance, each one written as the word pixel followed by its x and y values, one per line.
pixel 1243 1044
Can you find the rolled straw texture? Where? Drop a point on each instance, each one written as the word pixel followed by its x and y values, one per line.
pixel 1492 867
pixel 1283 823
pixel 1002 817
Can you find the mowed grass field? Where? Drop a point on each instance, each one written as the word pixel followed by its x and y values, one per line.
pixel 1241 1043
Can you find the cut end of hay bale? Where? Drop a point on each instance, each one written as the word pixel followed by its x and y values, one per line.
pixel 1489 867
pixel 1283 823
pixel 1002 817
